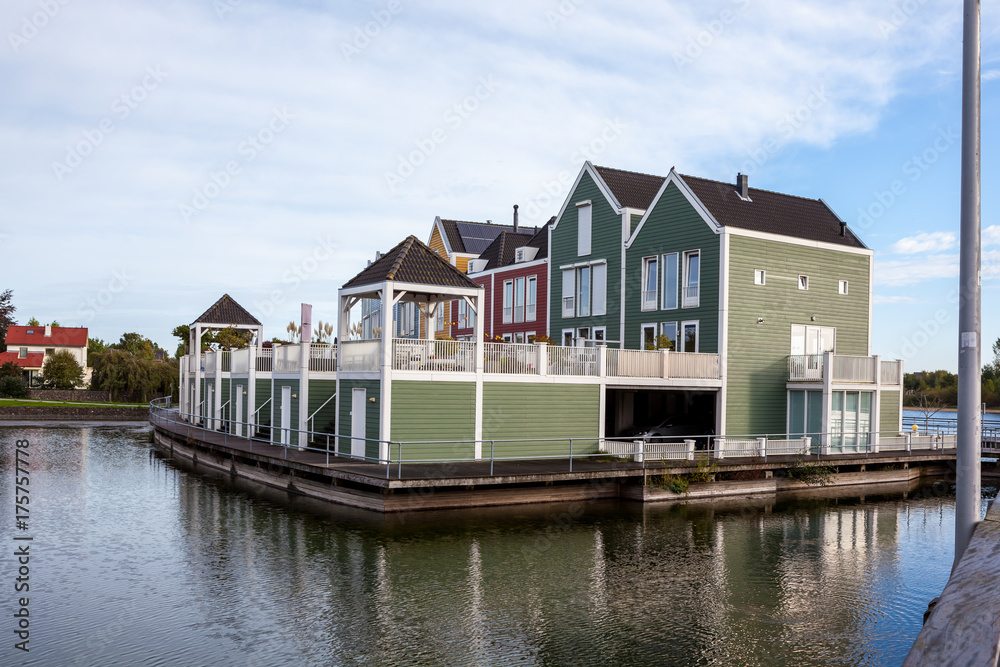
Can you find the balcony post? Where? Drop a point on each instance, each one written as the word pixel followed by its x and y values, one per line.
pixel 602 360
pixel 827 401
pixel 664 364
pixel 543 359
pixel 251 415
pixel 876 422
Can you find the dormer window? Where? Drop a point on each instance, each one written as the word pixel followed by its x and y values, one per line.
pixel 30 332
pixel 520 255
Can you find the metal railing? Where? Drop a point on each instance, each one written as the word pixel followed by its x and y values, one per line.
pixel 265 360
pixel 323 357
pixel 433 355
pixel 517 358
pixel 805 367
pixel 853 368
pixel 572 360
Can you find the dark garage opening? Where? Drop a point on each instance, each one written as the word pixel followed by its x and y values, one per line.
pixel 629 412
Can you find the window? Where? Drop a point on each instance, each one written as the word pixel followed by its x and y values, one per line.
pixel 648 336
pixel 530 336
pixel 519 337
pixel 808 345
pixel 567 337
pixel 22 353
pixel 568 292
pixel 583 225
pixel 50 351
pixel 600 306
pixel 583 337
pixel 690 341
pixel 519 255
pixel 850 420
pixel 649 283
pixel 583 292
pixel 529 315
pixel 508 301
pixel 464 315
pixel 842 287
pixel 507 338
pixel 759 276
pixel 669 331
pixel 803 282
pixel 692 278
pixel 670 281
pixel 600 334
pixel 439 317
pixel 519 299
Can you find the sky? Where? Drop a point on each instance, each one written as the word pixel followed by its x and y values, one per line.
pixel 156 155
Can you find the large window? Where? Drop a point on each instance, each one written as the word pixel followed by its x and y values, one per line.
pixel 22 353
pixel 464 315
pixel 508 301
pixel 850 420
pixel 584 290
pixel 649 336
pixel 670 281
pixel 808 345
pixel 600 291
pixel 805 415
pixel 692 278
pixel 583 228
pixel 649 283
pixel 669 331
pixel 569 292
pixel 529 315
pixel 519 299
pixel 689 333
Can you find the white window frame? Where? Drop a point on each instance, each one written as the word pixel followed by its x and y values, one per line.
pixel 529 336
pixel 572 335
pixel 508 301
pixel 508 338
pixel 803 283
pixel 519 337
pixel 599 330
pixel 649 299
pixel 842 287
pixel 22 353
pixel 568 293
pixel 599 289
pixel 519 283
pixel 759 277
pixel 582 336
pixel 531 299
pixel 642 334
pixel 667 291
pixel 584 227
pixel 439 317
pixel 697 334
pixel 663 331
pixel 581 302
pixel 688 301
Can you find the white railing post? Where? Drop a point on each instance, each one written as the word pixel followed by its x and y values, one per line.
pixel 689 450
pixel 720 448
pixel 909 449
pixel 543 359
pixel 762 447
pixel 602 360
pixel 637 455
pixel 806 445
pixel 664 364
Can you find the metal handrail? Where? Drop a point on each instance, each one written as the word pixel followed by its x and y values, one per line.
pixel 313 415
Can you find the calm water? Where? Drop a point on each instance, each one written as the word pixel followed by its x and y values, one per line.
pixel 135 561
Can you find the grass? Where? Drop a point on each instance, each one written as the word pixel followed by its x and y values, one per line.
pixel 32 403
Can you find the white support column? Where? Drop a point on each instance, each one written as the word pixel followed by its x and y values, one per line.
pixel 480 367
pixel 824 446
pixel 602 360
pixel 251 418
pixel 217 408
pixel 199 373
pixel 385 393
pixel 876 423
pixel 304 348
pixel 664 364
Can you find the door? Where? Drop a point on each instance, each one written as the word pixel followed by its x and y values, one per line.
pixel 359 421
pixel 210 408
pixel 239 411
pixel 286 414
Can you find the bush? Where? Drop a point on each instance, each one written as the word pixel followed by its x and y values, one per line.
pixel 13 387
pixel 62 370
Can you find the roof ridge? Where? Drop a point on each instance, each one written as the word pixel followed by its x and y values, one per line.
pixel 407 243
pixel 733 186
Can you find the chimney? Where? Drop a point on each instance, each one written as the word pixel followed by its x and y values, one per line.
pixel 741 186
pixel 48 331
pixel 515 218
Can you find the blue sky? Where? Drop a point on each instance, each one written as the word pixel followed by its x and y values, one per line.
pixel 158 154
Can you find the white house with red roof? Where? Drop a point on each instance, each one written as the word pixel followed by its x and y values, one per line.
pixel 28 347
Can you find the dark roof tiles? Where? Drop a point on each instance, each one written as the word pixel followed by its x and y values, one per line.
pixel 227 311
pixel 412 262
pixel 630 188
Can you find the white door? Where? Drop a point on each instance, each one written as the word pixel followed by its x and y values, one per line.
pixel 359 422
pixel 239 411
pixel 286 413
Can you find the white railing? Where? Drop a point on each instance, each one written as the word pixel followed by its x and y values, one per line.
pixel 805 367
pixel 241 360
pixel 520 358
pixel 640 450
pixel 891 373
pixel 691 365
pixel 853 368
pixel 209 362
pixel 572 360
pixel 433 355
pixel 265 360
pixel 286 359
pixel 225 360
pixel 635 363
pixel 323 357
pixel 360 355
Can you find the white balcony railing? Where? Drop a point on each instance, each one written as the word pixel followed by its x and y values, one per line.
pixel 323 357
pixel 572 360
pixel 360 355
pixel 892 372
pixel 853 369
pixel 240 360
pixel 209 362
pixel 433 355
pixel 635 364
pixel 265 360
pixel 805 367
pixel 286 358
pixel 691 365
pixel 517 358
pixel 225 361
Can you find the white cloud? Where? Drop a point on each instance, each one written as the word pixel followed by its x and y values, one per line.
pixel 915 270
pixel 924 242
pixel 989 75
pixel 991 235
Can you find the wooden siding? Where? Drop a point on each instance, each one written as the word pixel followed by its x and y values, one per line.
pixel 372 417
pixel 758 353
pixel 293 410
pixel 517 411
pixel 674 226
pixel 437 411
pixel 227 410
pixel 889 412
pixel 262 393
pixel 606 243
pixel 319 392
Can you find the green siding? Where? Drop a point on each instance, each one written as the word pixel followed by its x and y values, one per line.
pixel 262 393
pixel 227 411
pixel 758 353
pixel 319 392
pixel 889 412
pixel 294 410
pixel 438 411
pixel 673 225
pixel 517 411
pixel 372 389
pixel 606 243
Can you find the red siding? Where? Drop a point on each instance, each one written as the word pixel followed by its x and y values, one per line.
pixel 494 306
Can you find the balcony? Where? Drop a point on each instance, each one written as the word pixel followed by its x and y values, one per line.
pixel 844 369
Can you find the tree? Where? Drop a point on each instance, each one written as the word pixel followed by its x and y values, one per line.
pixel 33 322
pixel 137 345
pixel 62 370
pixel 6 316
pixel 127 376
pixel 10 369
pixel 231 339
pixel 95 346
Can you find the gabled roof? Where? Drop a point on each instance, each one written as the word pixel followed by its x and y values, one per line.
pixel 772 212
pixel 33 360
pixel 61 336
pixel 501 251
pixel 412 262
pixel 541 239
pixel 630 188
pixel 471 237
pixel 227 311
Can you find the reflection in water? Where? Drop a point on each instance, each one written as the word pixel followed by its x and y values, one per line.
pixel 145 562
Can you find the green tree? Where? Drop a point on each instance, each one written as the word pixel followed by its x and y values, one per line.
pixel 137 345
pixel 130 377
pixel 95 346
pixel 10 369
pixel 230 339
pixel 33 322
pixel 7 309
pixel 62 370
